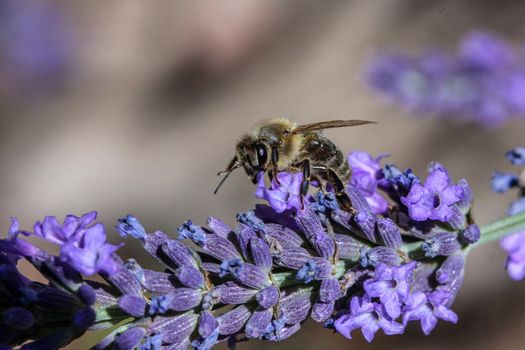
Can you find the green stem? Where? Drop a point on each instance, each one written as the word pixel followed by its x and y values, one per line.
pixel 501 228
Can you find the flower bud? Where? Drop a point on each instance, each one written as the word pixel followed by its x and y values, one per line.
pixel 218 227
pixel 443 243
pixel 258 323
pixel 374 256
pixel 286 237
pixel 132 305
pixel 130 338
pixel 322 311
pixel 232 321
pixel 261 253
pixel 296 306
pixel 366 223
pixel 389 233
pixel 18 318
pixel 348 248
pixel 470 235
pixel 190 277
pixel 232 293
pixel 268 297
pixel 451 269
pixel 207 324
pixel 330 290
pixel 175 328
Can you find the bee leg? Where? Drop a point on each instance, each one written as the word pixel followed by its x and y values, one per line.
pixel 339 187
pixel 270 175
pixel 232 165
pixel 229 169
pixel 275 159
pixel 340 193
pixel 306 180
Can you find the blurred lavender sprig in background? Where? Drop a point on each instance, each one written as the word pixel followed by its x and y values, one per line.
pixel 502 182
pixel 36 47
pixel 484 82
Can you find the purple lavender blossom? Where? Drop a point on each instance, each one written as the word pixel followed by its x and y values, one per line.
pixel 366 173
pixel 369 317
pixel 433 199
pixel 516 156
pixel 514 245
pixel 428 308
pixel 82 240
pixel 284 196
pixel 483 83
pixel 391 284
pixel 261 279
pixel 37 46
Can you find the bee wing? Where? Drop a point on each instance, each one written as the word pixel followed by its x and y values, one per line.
pixel 301 129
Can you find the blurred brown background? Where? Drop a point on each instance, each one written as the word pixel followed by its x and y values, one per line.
pixel 142 103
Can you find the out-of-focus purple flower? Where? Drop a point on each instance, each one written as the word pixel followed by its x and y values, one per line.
pixel 483 83
pixel 428 308
pixel 369 317
pixel 433 199
pixel 514 245
pixel 502 182
pixel 516 207
pixel 91 254
pixel 82 240
pixel 283 194
pixel 366 173
pixel 516 156
pixel 485 51
pixel 130 226
pixel 391 284
pixel 37 45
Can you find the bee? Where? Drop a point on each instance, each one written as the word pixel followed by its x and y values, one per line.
pixel 282 145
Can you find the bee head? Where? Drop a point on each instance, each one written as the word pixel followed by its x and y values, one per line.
pixel 254 157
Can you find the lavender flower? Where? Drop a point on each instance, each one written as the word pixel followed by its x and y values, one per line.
pixel 483 83
pixel 366 173
pixel 391 284
pixel 262 279
pixel 514 245
pixel 428 308
pixel 432 200
pixel 284 196
pixel 37 46
pixel 369 317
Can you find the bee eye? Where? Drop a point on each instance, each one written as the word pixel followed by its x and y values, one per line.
pixel 262 156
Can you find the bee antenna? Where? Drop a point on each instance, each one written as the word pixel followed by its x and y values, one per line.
pixel 225 177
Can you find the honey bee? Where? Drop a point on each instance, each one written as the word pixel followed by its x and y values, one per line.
pixel 282 145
